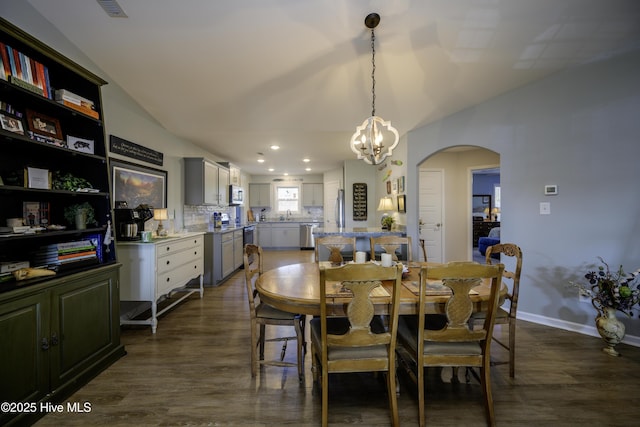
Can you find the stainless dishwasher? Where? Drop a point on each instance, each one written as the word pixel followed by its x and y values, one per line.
pixel 307 241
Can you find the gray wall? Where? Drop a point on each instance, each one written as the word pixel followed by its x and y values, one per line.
pixel 579 130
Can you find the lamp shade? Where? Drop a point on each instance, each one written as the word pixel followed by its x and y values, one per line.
pixel 160 214
pixel 386 204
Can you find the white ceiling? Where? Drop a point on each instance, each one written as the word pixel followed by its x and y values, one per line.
pixel 235 76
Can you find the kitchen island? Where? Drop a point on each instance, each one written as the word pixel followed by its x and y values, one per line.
pixel 362 234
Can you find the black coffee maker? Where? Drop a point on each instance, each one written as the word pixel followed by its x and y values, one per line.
pixel 130 222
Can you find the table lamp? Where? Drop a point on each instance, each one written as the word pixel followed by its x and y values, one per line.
pixel 160 215
pixel 495 212
pixel 386 204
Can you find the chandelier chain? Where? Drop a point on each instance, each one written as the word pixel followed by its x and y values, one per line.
pixel 373 74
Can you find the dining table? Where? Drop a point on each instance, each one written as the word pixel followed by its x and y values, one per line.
pixel 295 288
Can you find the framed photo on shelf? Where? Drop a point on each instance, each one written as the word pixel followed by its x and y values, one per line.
pixel 402 200
pixel 138 185
pixel 80 144
pixel 12 124
pixel 43 125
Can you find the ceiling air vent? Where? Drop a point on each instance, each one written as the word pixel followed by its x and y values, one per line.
pixel 112 8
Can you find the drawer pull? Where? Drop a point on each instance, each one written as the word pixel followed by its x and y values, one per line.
pixel 168 248
pixel 168 262
pixel 168 279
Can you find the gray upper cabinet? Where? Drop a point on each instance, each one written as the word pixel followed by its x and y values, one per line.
pixel 205 182
pixel 312 195
pixel 260 195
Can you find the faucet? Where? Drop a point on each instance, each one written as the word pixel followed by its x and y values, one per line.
pixel 288 214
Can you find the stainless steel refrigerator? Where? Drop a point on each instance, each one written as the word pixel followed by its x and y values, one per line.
pixel 339 211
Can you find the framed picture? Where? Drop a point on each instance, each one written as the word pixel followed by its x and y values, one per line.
pixel 394 185
pixel 138 185
pixel 80 144
pixel 43 125
pixel 402 204
pixel 401 184
pixel 388 187
pixel 12 124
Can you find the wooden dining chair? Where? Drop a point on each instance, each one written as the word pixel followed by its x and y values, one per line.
pixel 393 245
pixel 456 344
pixel 338 246
pixel 361 346
pixel 263 314
pixel 506 316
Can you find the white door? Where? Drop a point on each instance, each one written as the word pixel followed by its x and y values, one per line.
pixel 430 195
pixel 330 196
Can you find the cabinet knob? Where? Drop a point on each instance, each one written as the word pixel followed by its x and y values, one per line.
pixel 168 248
pixel 45 344
pixel 54 339
pixel 168 279
pixel 168 262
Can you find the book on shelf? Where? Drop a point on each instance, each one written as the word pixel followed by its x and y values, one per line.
pixel 24 71
pixel 9 266
pixel 65 95
pixel 84 110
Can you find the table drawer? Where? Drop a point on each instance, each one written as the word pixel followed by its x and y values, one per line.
pixel 178 277
pixel 178 245
pixel 175 259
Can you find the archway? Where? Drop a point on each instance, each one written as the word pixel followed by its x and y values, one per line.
pixel 457 164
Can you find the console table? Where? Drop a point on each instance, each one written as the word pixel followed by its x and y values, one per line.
pixel 154 270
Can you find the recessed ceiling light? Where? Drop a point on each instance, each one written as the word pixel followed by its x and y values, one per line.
pixel 308 169
pixel 260 160
pixel 306 160
pixel 271 169
pixel 286 174
pixel 275 147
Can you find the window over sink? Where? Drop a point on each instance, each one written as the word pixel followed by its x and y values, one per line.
pixel 288 199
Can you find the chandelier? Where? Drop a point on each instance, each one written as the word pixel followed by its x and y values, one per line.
pixel 368 142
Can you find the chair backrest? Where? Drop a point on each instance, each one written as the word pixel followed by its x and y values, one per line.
pixel 460 277
pixel 335 245
pixel 512 276
pixel 252 270
pixel 359 280
pixel 390 245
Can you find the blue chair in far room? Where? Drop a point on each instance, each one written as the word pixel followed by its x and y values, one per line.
pixel 492 239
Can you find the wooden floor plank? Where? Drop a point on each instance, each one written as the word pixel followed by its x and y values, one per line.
pixel 195 371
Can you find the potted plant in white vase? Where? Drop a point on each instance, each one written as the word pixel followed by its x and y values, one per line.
pixel 80 214
pixel 611 291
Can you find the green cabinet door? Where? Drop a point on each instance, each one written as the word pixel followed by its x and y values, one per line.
pixel 24 354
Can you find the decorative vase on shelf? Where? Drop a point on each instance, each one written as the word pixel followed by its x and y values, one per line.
pixel 610 329
pixel 81 219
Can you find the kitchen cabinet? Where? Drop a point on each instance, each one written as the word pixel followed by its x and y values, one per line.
pixel 52 351
pixel 259 195
pixel 57 331
pixel 264 234
pixel 205 182
pixel 312 195
pixel 238 248
pixel 223 254
pixel 285 235
pixel 235 177
pixel 151 271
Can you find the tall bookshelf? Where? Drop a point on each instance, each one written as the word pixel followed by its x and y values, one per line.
pixel 63 328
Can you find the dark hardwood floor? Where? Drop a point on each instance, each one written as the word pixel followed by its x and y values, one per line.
pixel 195 371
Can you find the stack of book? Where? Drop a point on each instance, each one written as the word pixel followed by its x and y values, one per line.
pixel 23 71
pixel 77 102
pixel 68 254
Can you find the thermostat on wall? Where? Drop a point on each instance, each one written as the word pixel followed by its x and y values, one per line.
pixel 550 190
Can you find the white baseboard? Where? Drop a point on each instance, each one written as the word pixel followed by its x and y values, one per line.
pixel 574 327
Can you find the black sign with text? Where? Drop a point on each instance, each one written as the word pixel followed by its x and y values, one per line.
pixel 135 151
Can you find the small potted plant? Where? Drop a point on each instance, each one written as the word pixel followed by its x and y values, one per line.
pixel 387 222
pixel 80 214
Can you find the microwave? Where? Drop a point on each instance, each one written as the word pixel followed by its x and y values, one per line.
pixel 236 195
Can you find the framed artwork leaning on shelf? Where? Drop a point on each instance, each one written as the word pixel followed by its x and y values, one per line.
pixel 43 125
pixel 12 124
pixel 138 185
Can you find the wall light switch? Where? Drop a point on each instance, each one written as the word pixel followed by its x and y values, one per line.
pixel 545 208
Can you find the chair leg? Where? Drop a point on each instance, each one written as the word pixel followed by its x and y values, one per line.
pixel 254 350
pixel 325 398
pixel 299 327
pixel 391 391
pixel 485 375
pixel 421 420
pixel 512 347
pixel 261 343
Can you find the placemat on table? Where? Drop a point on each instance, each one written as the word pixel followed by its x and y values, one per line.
pixel 335 290
pixel 434 287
